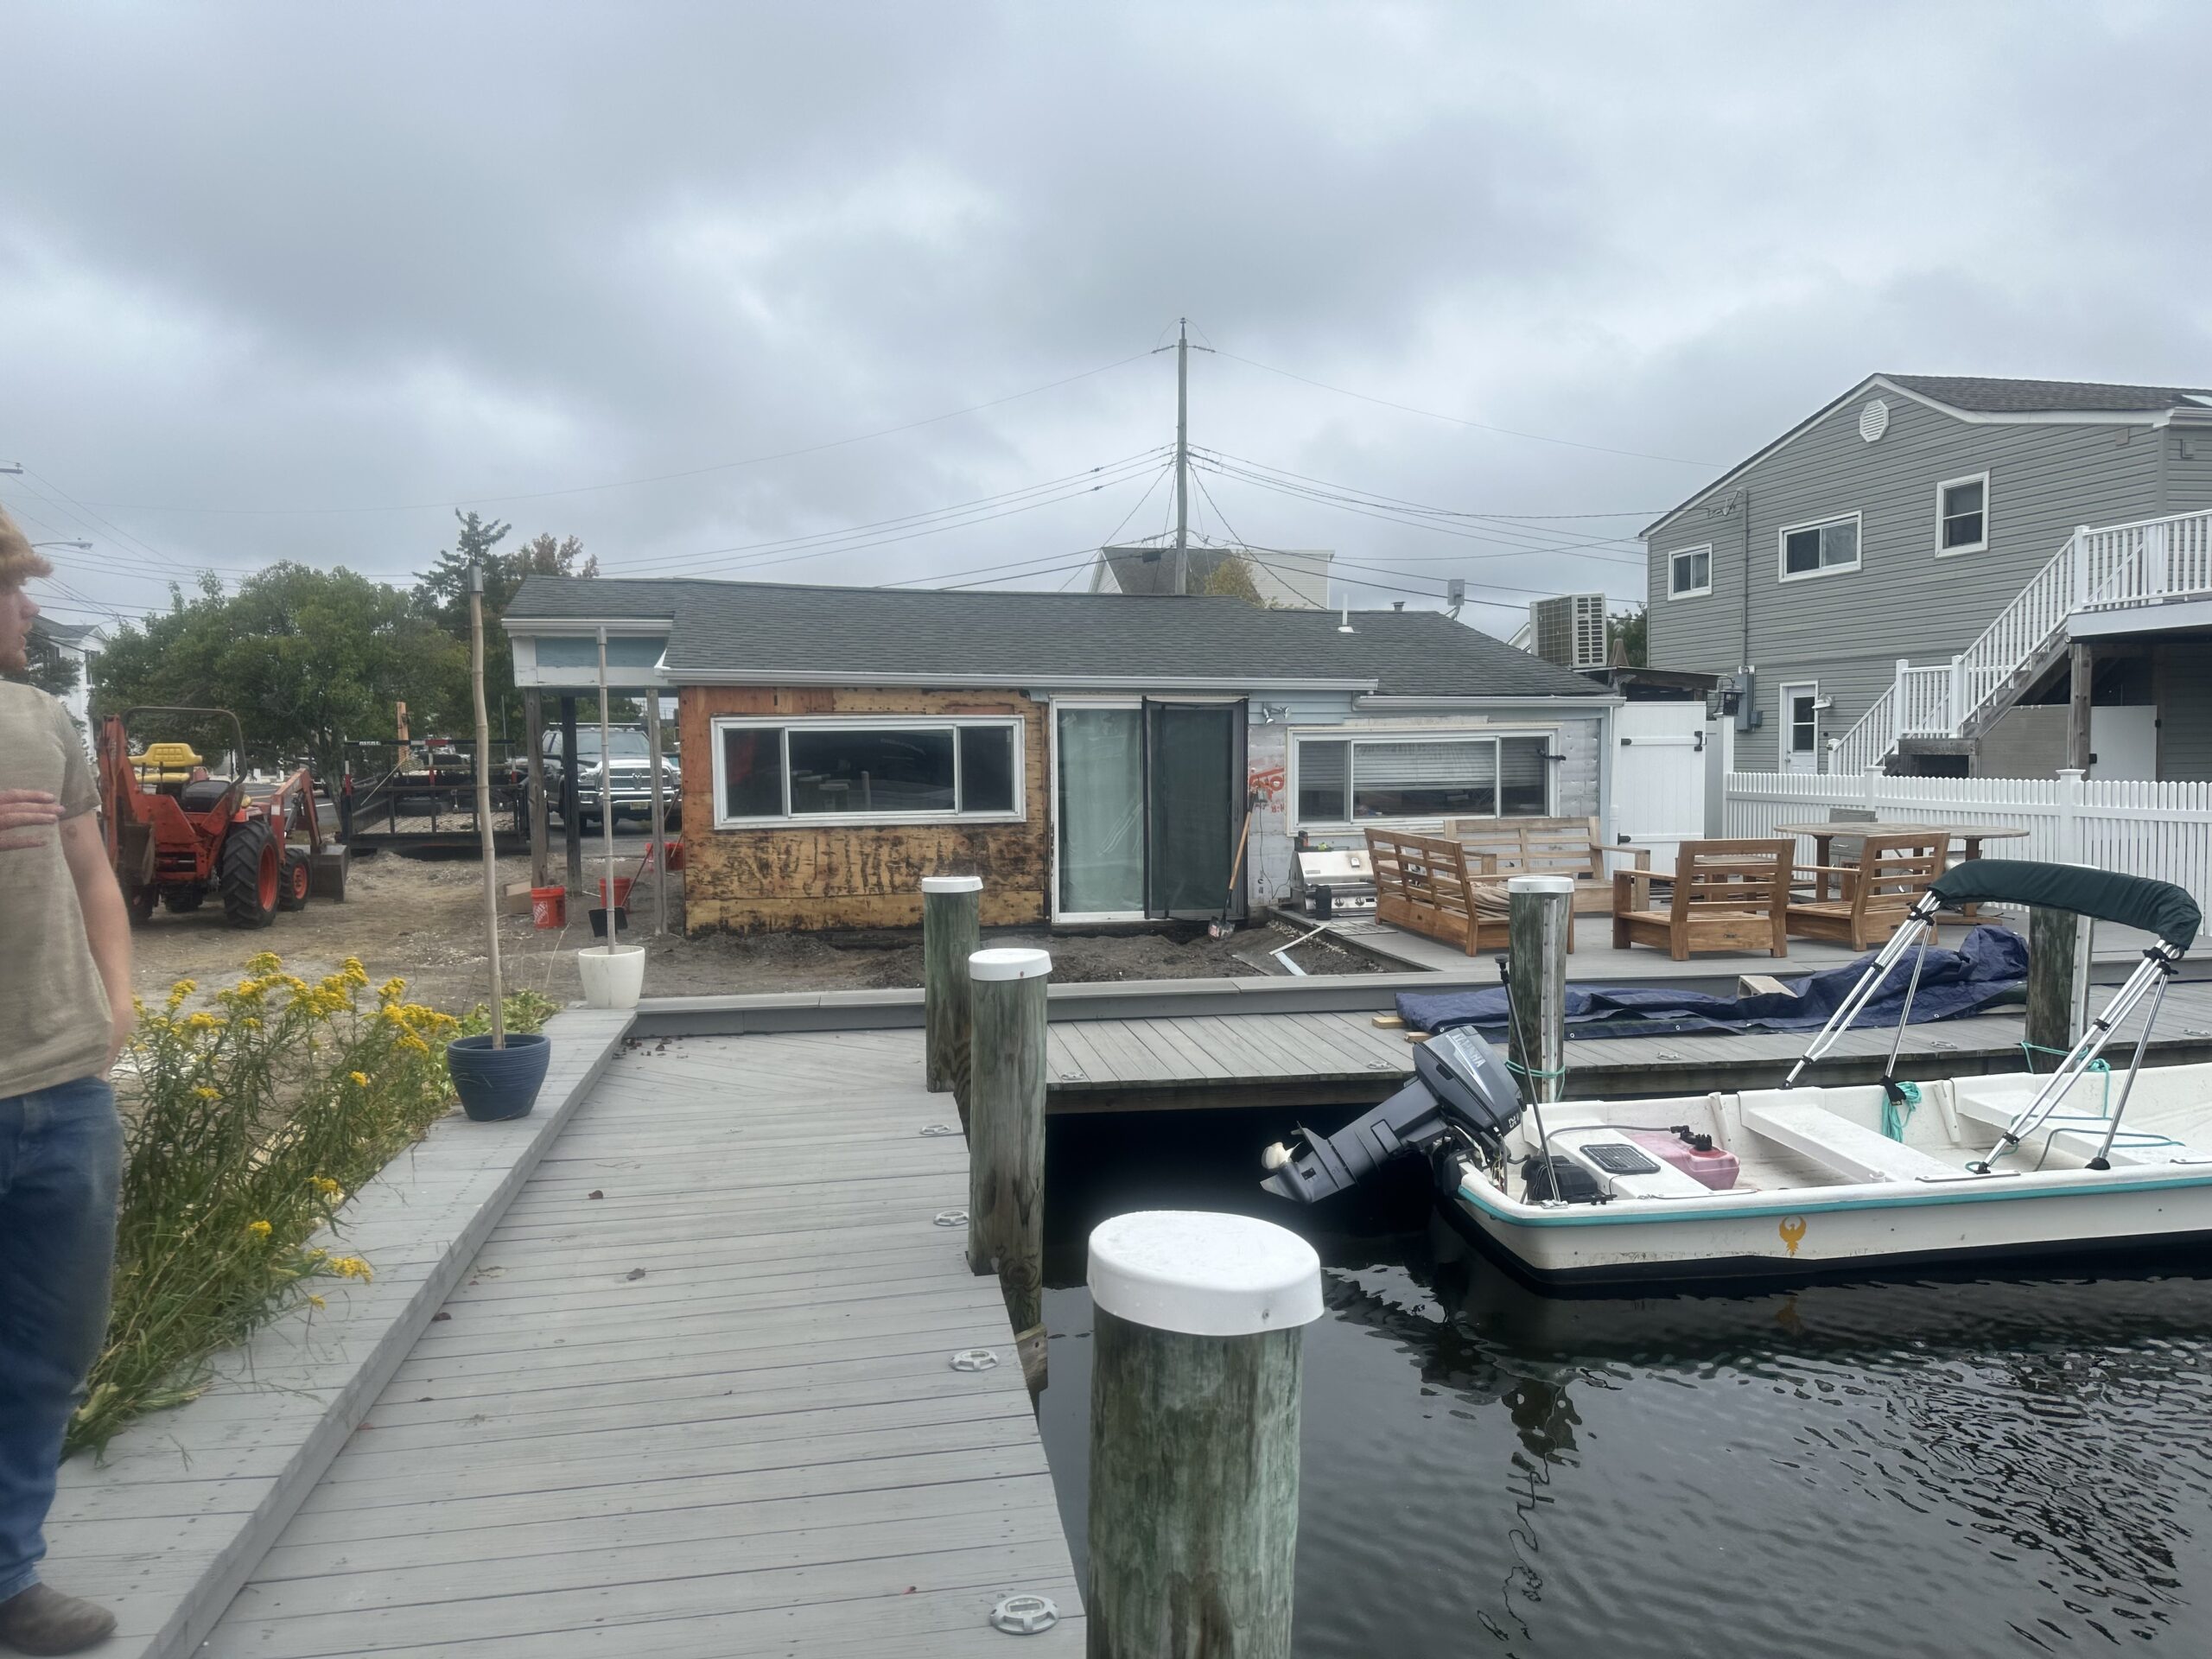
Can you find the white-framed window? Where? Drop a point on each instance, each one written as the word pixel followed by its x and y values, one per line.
pixel 1819 547
pixel 872 769
pixel 1689 572
pixel 1962 515
pixel 1338 779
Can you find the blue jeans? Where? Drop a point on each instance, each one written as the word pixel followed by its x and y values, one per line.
pixel 60 1162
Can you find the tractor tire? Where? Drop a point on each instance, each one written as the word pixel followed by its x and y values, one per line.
pixel 141 904
pixel 251 874
pixel 292 880
pixel 182 901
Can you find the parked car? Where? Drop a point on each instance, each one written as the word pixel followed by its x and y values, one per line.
pixel 631 784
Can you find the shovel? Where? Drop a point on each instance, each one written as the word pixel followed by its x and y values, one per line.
pixel 1222 928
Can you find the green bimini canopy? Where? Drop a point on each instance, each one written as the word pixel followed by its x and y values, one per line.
pixel 2159 907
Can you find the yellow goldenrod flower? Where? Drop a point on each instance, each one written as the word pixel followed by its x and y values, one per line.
pixel 263 961
pixel 352 1267
pixel 202 1022
pixel 316 1301
pixel 258 1229
pixel 179 991
pixel 317 1255
pixel 205 1092
pixel 251 1023
pixel 392 989
pixel 352 971
pixel 324 1185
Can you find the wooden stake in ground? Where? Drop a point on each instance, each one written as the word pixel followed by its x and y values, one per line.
pixel 1006 1126
pixel 1194 1409
pixel 2058 983
pixel 606 796
pixel 1541 910
pixel 484 833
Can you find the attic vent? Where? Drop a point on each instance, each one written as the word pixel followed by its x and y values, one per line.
pixel 1873 419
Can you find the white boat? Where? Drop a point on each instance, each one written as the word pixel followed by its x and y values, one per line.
pixel 1803 1181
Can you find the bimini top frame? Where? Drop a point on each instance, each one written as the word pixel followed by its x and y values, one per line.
pixel 2159 907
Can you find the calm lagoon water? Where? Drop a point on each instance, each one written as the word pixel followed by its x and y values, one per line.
pixel 1951 1469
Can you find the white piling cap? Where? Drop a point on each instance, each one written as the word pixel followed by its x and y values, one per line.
pixel 1204 1274
pixel 1548 884
pixel 953 884
pixel 1010 962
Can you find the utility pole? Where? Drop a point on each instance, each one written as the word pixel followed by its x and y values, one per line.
pixel 1182 455
pixel 1182 451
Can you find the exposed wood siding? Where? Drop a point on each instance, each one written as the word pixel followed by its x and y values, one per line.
pixel 1846 629
pixel 861 875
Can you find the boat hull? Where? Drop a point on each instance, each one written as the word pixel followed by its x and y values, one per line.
pixel 1844 1232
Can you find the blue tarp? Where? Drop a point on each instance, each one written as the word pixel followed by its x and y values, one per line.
pixel 1990 964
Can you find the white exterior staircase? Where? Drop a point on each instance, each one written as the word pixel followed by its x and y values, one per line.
pixel 2120 567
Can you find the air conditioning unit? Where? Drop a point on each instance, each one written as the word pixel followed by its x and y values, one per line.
pixel 1569 630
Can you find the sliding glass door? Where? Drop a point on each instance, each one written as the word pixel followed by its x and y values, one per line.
pixel 1147 800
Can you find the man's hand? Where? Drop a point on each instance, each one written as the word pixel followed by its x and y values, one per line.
pixel 25 816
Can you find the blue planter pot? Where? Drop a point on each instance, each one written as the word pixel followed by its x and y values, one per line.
pixel 498 1082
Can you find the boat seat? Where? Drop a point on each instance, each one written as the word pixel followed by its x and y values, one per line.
pixel 2129 1148
pixel 1857 1153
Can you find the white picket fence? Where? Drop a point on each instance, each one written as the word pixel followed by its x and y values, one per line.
pixel 2163 831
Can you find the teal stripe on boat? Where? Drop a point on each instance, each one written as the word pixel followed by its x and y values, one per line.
pixel 1598 1216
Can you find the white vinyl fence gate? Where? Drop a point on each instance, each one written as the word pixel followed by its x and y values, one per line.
pixel 1659 772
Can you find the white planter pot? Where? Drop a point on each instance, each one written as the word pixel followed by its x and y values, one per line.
pixel 613 979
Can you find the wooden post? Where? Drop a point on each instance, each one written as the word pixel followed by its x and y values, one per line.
pixel 606 798
pixel 572 835
pixel 487 835
pixel 1541 909
pixel 1194 1409
pixel 659 853
pixel 949 937
pixel 533 720
pixel 2081 673
pixel 2058 983
pixel 1006 1130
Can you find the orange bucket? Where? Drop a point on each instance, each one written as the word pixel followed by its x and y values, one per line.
pixel 549 907
pixel 621 893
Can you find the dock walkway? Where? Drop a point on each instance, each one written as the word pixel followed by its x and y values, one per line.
pixel 695 1398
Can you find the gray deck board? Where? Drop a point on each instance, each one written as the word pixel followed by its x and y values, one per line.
pixel 708 1412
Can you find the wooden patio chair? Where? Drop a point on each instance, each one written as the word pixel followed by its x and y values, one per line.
pixel 1862 904
pixel 1728 896
pixel 1568 847
pixel 1425 884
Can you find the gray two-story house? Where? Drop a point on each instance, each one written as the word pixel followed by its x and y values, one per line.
pixel 1943 574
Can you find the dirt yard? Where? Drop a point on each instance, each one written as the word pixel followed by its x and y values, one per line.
pixel 421 919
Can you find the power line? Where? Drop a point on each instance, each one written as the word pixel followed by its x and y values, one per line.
pixel 1522 523
pixel 1015 564
pixel 1460 419
pixel 655 478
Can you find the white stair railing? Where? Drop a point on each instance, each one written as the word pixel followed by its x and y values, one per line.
pixel 2107 568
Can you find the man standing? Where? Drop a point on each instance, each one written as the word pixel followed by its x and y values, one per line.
pixel 65 1011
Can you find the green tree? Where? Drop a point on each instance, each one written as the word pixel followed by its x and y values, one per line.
pixel 443 593
pixel 1629 635
pixel 309 660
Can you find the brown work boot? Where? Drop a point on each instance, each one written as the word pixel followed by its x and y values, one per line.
pixel 42 1620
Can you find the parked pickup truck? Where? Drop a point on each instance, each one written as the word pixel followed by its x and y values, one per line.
pixel 631 783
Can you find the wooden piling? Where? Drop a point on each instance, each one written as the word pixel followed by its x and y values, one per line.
pixel 2058 983
pixel 1006 1129
pixel 951 906
pixel 533 720
pixel 572 834
pixel 1194 1424
pixel 1541 909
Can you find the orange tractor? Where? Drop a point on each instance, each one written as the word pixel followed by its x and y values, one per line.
pixel 175 834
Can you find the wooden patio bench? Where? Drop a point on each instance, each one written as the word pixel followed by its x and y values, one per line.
pixel 1568 847
pixel 1728 896
pixel 1425 884
pixel 1861 904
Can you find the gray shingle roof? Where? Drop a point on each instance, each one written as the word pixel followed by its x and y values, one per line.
pixel 758 630
pixel 1987 397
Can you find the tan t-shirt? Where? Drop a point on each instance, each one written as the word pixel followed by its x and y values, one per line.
pixel 53 1013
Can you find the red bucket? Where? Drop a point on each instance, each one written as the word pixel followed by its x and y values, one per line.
pixel 549 907
pixel 621 893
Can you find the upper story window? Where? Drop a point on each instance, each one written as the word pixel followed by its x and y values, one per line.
pixel 881 770
pixel 1817 549
pixel 1962 514
pixel 1689 572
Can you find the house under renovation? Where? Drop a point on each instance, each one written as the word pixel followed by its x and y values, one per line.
pixel 1093 757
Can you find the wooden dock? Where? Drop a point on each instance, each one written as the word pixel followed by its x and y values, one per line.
pixel 696 1397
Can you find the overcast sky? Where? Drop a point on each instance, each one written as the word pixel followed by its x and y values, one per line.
pixel 288 282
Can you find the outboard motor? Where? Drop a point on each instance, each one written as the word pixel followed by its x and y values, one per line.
pixel 1460 1088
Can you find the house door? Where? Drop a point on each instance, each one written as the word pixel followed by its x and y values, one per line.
pixel 1194 790
pixel 1659 766
pixel 1800 728
pixel 1147 801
